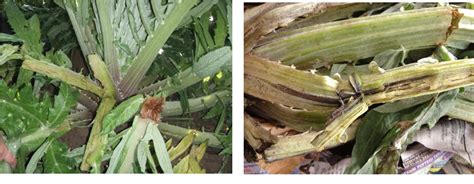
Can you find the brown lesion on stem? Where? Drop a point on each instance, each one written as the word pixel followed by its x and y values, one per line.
pixel 394 85
pixel 456 18
pixel 316 98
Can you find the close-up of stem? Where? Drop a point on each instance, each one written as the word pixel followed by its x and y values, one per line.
pixel 346 87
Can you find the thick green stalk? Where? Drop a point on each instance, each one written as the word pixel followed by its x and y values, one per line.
pixel 358 38
pixel 289 146
pixel 416 80
pixel 285 85
pixel 137 134
pixel 96 144
pixel 255 135
pixel 465 30
pixel 148 53
pixel 289 77
pixel 400 83
pixel 177 132
pixel 463 109
pixel 337 125
pixel 207 65
pixel 265 90
pixel 173 108
pixel 264 19
pixel 86 41
pixel 297 119
pixel 125 153
pixel 63 74
pixel 110 54
pixel 9 38
pixel 332 13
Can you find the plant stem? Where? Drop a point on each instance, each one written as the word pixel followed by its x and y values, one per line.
pixel 173 108
pixel 463 109
pixel 148 53
pixel 417 80
pixel 255 135
pixel 110 54
pixel 96 144
pixel 297 119
pixel 336 126
pixel 63 74
pixel 179 132
pixel 136 134
pixel 206 66
pixel 359 38
pixel 289 146
pixel 264 19
pixel 86 43
pixel 281 84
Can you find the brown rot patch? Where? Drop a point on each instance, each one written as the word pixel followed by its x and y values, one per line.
pixel 152 108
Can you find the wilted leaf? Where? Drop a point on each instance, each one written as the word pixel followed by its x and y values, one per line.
pixel 182 147
pixel 385 133
pixel 391 58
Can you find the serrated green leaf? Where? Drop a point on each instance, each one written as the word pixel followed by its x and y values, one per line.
pixel 23 113
pixel 56 160
pixel 28 121
pixel 210 63
pixel 122 113
pixel 220 31
pixel 59 58
pixel 198 11
pixel 63 103
pixel 145 57
pixel 226 141
pixel 27 30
